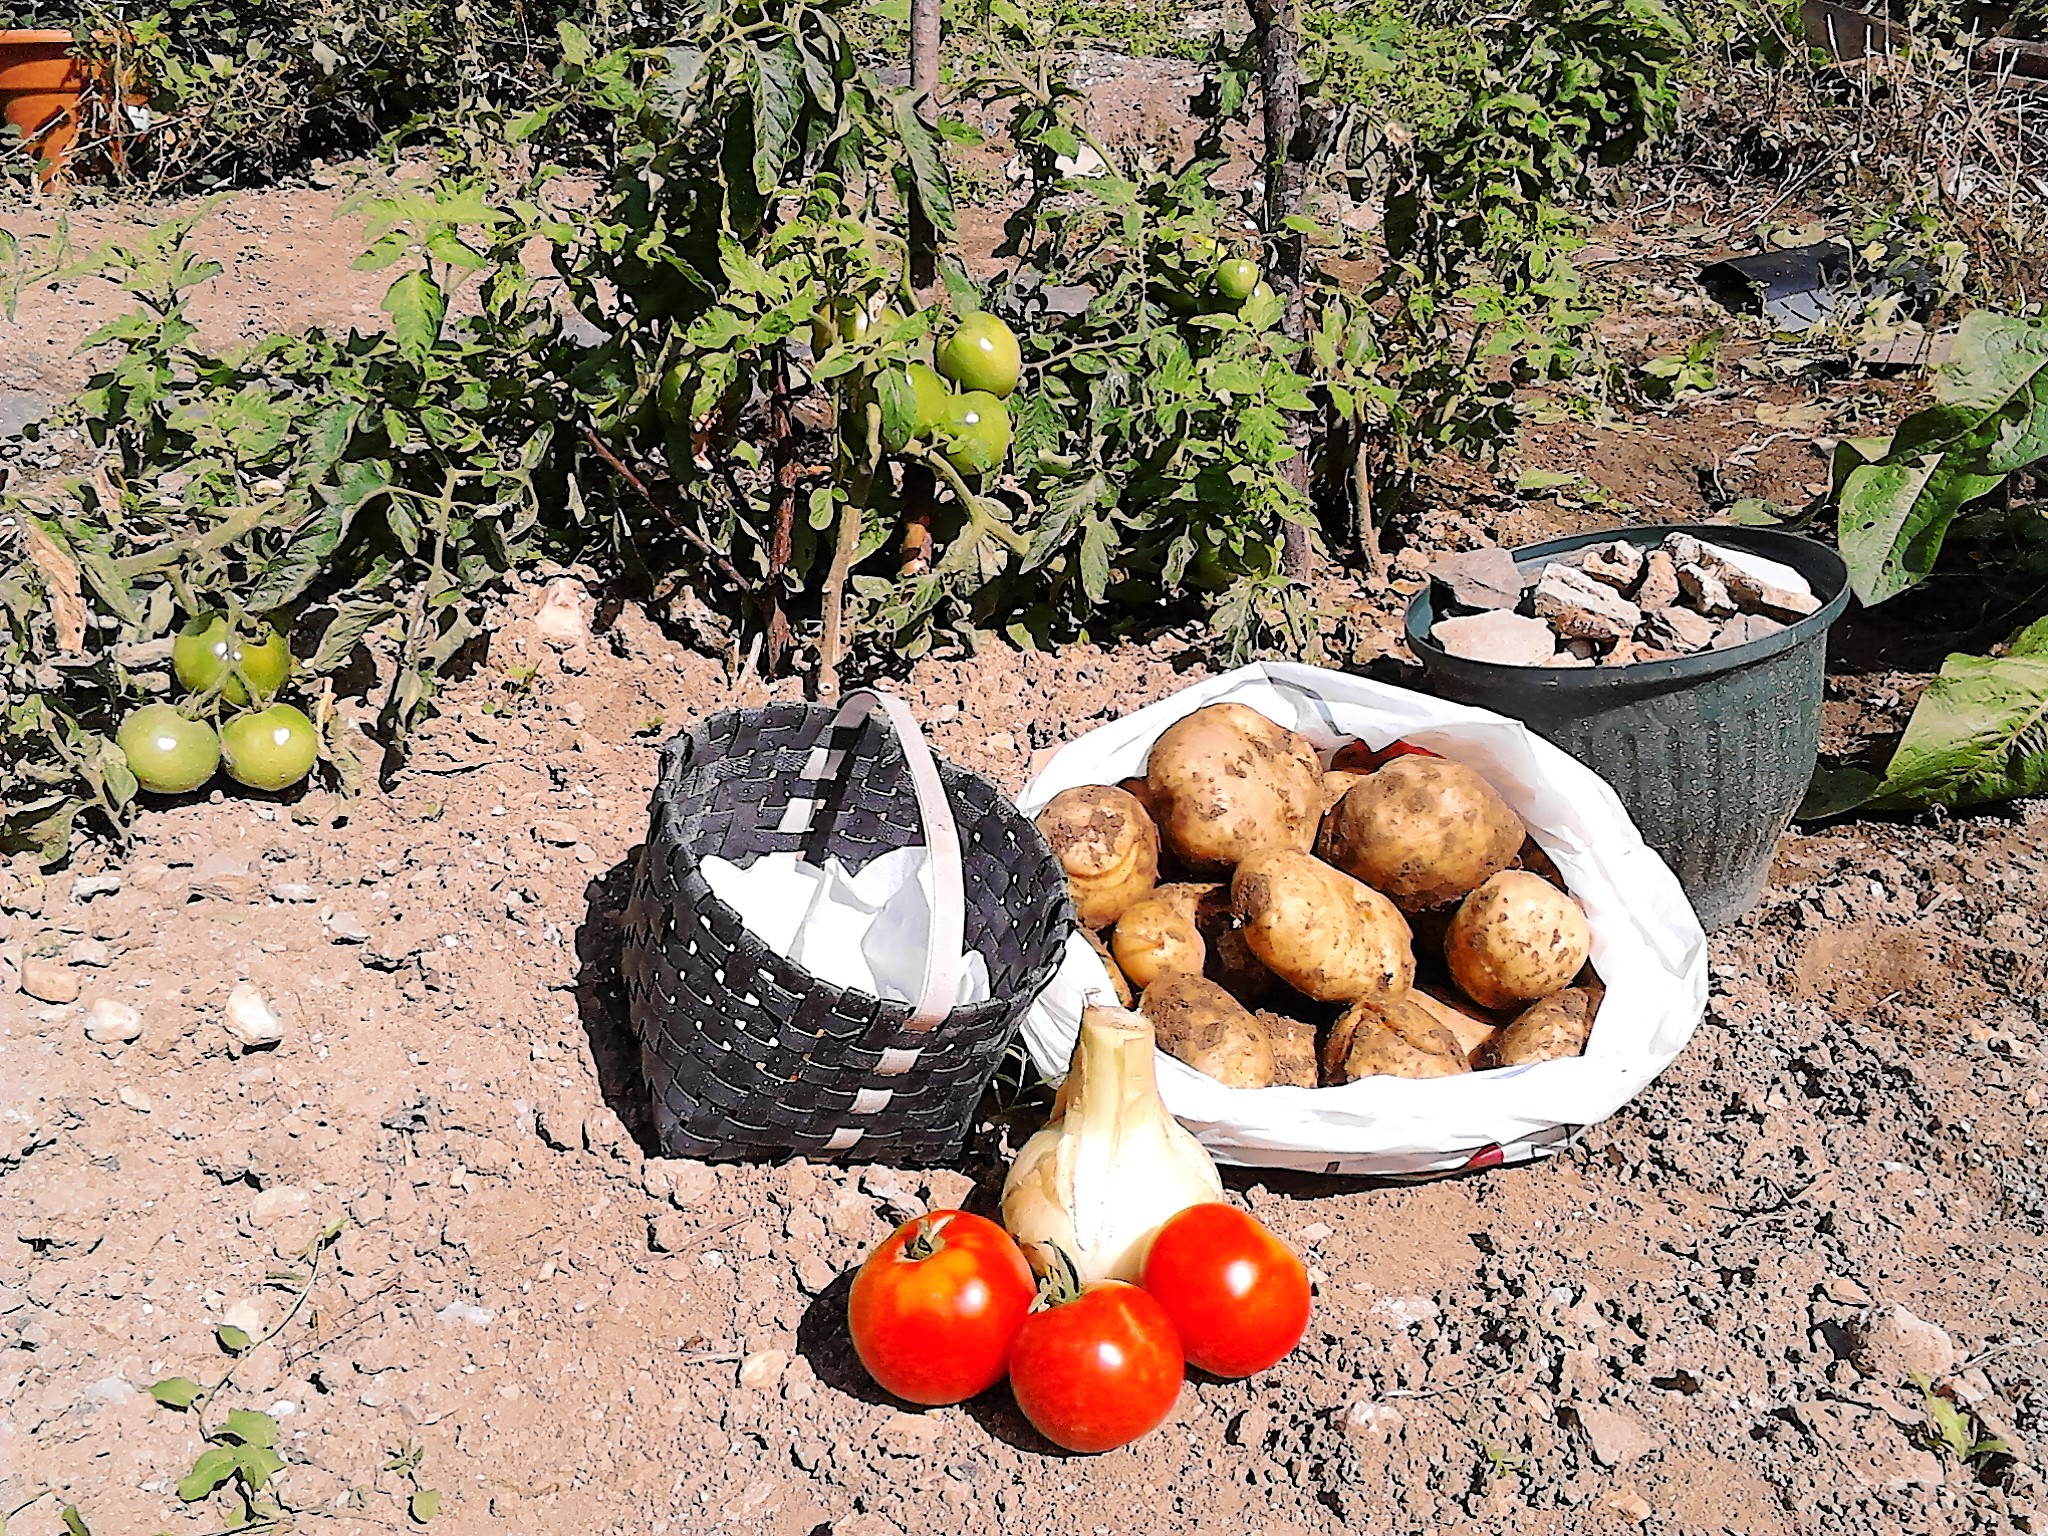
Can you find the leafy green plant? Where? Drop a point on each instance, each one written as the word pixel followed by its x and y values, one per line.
pixel 241 1456
pixel 1151 437
pixel 1898 496
pixel 1953 1429
pixel 759 181
pixel 1473 293
pixel 1691 369
pixel 1979 734
pixel 362 493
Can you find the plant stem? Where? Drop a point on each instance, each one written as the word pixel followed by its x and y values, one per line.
pixel 924 85
pixel 1366 531
pixel 782 445
pixel 860 483
pixel 976 507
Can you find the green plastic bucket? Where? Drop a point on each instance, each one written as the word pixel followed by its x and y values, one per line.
pixel 1710 753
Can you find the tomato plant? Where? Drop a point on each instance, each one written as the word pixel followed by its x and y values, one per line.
pixel 1238 1296
pixel 934 1310
pixel 1098 1370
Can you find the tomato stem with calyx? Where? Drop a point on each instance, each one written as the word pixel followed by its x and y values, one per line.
pixel 927 1241
pixel 1061 1281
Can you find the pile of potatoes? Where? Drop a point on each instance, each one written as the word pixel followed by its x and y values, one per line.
pixel 1284 923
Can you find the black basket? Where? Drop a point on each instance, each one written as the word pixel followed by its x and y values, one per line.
pixel 749 1055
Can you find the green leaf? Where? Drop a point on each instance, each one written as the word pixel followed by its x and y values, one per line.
pixel 2031 641
pixel 899 408
pixel 176 1391
pixel 251 1427
pixel 1836 792
pixel 1979 735
pixel 74 1522
pixel 416 306
pixel 426 1503
pixel 258 1464
pixel 235 1341
pixel 927 165
pixel 214 1467
pixel 778 103
pixel 1893 517
pixel 353 618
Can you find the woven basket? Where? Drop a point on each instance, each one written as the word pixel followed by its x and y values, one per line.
pixel 749 1055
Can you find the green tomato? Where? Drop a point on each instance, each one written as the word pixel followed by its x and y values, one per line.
pixel 200 656
pixel 1237 278
pixel 824 330
pixel 168 752
pixel 977 433
pixel 270 748
pixel 1261 291
pixel 934 399
pixel 982 355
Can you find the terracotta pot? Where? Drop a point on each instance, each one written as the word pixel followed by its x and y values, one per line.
pixel 42 88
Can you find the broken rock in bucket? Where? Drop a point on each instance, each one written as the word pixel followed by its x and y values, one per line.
pixel 1613 604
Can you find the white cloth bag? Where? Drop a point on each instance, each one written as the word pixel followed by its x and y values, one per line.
pixel 1647 946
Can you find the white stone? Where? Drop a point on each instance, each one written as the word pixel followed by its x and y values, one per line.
pixel 1614 1435
pixel 1370 1421
pixel 1899 1345
pixel 1498 636
pixel 250 1019
pixel 111 1022
pixel 1580 608
pixel 559 619
pixel 278 1203
pixel 763 1369
pixel 1480 578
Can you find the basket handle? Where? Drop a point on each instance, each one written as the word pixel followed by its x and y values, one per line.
pixel 943 950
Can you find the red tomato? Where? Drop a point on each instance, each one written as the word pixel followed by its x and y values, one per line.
pixel 1357 757
pixel 1097 1372
pixel 1237 1296
pixel 934 1310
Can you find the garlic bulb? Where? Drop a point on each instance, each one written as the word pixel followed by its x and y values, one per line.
pixel 1111 1165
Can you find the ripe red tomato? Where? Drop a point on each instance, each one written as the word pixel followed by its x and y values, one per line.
pixel 1357 757
pixel 1097 1372
pixel 934 1309
pixel 1237 1296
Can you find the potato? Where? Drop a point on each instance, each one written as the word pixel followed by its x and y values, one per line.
pixel 1158 935
pixel 1294 1049
pixel 1553 1027
pixel 1515 939
pixel 1390 1037
pixel 1204 1026
pixel 1319 930
pixel 1117 981
pixel 1106 842
pixel 1424 830
pixel 1136 787
pixel 1336 783
pixel 1462 1021
pixel 1228 782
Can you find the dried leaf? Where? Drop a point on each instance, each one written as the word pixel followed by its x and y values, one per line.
pixel 60 575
